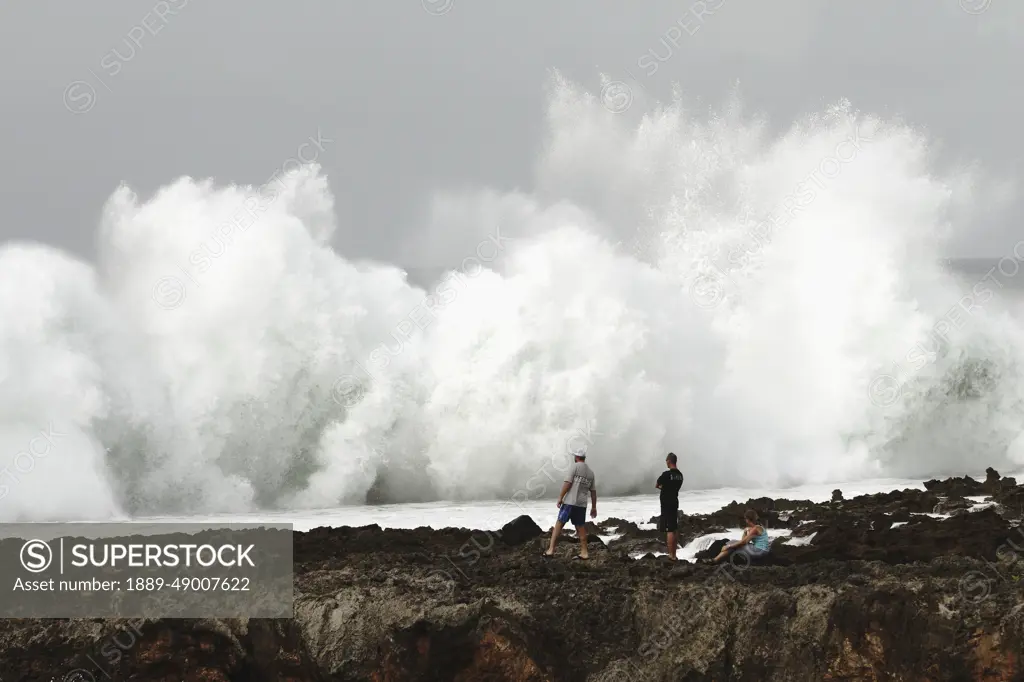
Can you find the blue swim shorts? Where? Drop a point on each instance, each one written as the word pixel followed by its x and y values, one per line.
pixel 570 512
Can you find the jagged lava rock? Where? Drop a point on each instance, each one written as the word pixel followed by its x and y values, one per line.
pixel 932 600
pixel 956 487
pixel 519 530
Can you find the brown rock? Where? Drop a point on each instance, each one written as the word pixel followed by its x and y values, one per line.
pixel 932 600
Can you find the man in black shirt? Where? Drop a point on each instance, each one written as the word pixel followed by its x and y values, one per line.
pixel 669 483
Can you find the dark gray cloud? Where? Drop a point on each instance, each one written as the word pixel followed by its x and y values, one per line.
pixel 416 101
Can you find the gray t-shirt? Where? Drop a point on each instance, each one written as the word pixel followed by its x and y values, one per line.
pixel 582 478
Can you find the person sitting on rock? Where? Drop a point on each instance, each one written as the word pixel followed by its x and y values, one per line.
pixel 754 543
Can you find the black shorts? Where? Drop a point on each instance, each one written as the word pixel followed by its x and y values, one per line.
pixel 669 521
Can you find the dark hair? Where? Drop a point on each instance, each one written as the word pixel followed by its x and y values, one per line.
pixel 672 457
pixel 750 515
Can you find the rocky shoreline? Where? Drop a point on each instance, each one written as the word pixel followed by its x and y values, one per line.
pixel 908 585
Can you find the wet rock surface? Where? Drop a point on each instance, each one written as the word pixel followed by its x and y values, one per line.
pixel 882 591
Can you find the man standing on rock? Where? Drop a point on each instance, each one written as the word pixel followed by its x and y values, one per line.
pixel 669 483
pixel 572 504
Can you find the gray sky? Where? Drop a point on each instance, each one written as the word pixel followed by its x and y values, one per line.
pixel 416 102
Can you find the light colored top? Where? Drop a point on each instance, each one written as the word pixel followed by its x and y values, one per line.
pixel 583 481
pixel 761 541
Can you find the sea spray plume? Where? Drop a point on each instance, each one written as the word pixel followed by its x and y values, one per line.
pixel 814 301
pixel 225 401
pixel 243 362
pixel 559 339
pixel 670 164
pixel 51 388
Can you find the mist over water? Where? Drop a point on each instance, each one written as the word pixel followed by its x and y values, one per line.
pixel 770 307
